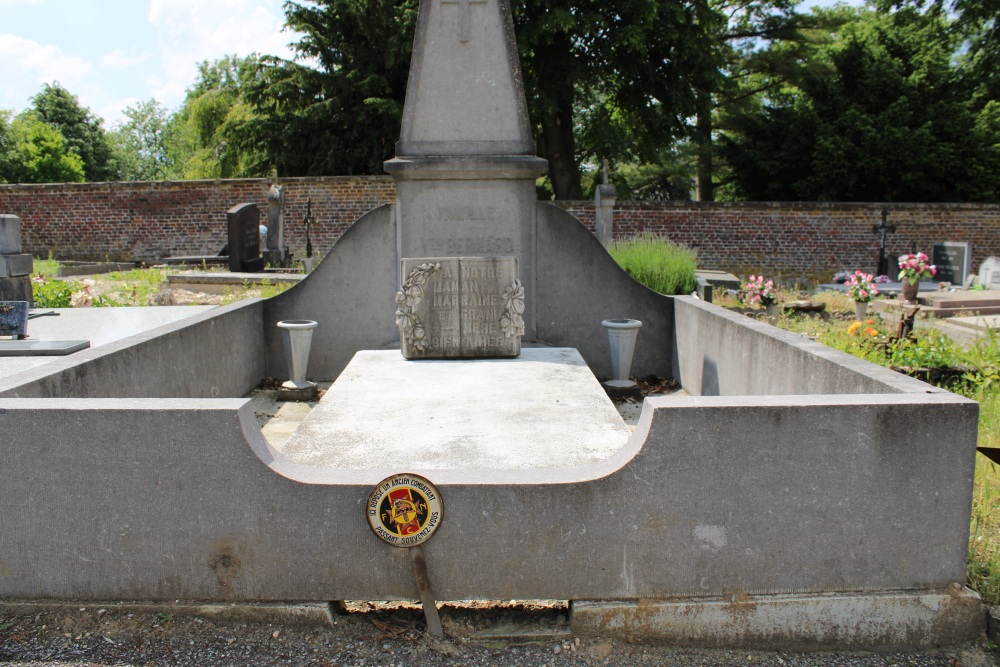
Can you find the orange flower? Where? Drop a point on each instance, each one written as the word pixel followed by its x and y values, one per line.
pixel 853 329
pixel 871 332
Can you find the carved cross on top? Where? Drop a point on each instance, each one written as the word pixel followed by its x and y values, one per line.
pixel 465 17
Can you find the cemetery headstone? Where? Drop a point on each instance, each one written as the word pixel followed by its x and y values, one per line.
pixel 14 318
pixel 243 223
pixel 465 165
pixel 15 266
pixel 460 307
pixel 989 273
pixel 276 253
pixel 953 261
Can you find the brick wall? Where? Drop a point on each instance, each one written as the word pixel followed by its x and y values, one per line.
pixel 792 241
pixel 803 242
pixel 149 221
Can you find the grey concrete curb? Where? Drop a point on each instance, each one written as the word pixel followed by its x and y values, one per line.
pixel 861 621
pixel 285 613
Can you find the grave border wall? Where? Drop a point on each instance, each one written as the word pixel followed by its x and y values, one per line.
pixel 794 241
pixel 216 353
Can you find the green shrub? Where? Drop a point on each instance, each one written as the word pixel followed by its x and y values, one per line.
pixel 660 265
pixel 51 293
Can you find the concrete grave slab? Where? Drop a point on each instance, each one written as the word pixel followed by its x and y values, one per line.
pixel 41 348
pixel 101 326
pixel 496 414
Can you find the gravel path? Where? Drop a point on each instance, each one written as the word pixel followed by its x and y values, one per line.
pixel 388 636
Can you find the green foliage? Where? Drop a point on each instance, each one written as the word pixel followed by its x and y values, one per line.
pixel 45 267
pixel 8 155
pixel 139 143
pixel 660 265
pixel 138 287
pixel 41 154
pixel 81 129
pixel 890 119
pixel 207 137
pixel 341 116
pixel 51 293
pixel 926 348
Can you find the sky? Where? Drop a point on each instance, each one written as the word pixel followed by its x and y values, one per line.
pixel 112 54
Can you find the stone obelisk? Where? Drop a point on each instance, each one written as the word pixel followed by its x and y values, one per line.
pixel 465 164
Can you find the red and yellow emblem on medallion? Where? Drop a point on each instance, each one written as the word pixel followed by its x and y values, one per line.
pixel 404 510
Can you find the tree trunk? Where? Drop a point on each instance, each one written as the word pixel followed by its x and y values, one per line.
pixel 552 63
pixel 560 149
pixel 704 189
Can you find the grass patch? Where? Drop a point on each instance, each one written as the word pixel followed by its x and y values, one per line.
pixel 45 267
pixel 659 264
pixel 137 287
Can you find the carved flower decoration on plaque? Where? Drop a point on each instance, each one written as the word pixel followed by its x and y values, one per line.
pixel 407 298
pixel 511 322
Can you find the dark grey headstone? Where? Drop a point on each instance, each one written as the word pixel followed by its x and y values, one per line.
pixel 243 222
pixel 463 307
pixel 953 261
pixel 13 318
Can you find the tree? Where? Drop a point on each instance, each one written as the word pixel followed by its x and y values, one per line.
pixel 203 139
pixel 890 120
pixel 7 153
pixel 139 144
pixel 81 129
pixel 343 115
pixel 618 76
pixel 41 154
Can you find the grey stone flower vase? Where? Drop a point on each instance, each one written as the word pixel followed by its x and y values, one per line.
pixel 860 310
pixel 621 345
pixel 297 340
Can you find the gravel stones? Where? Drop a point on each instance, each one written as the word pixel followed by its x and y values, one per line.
pixel 385 635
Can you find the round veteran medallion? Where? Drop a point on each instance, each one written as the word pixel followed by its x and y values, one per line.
pixel 404 510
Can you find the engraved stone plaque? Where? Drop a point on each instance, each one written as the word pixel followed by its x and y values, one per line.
pixel 466 307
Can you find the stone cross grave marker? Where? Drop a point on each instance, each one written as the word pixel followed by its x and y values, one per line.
pixel 243 223
pixel 460 307
pixel 953 261
pixel 276 253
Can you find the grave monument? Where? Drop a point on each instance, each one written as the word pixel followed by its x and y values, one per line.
pixel 794 497
pixel 276 253
pixel 243 226
pixel 15 266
